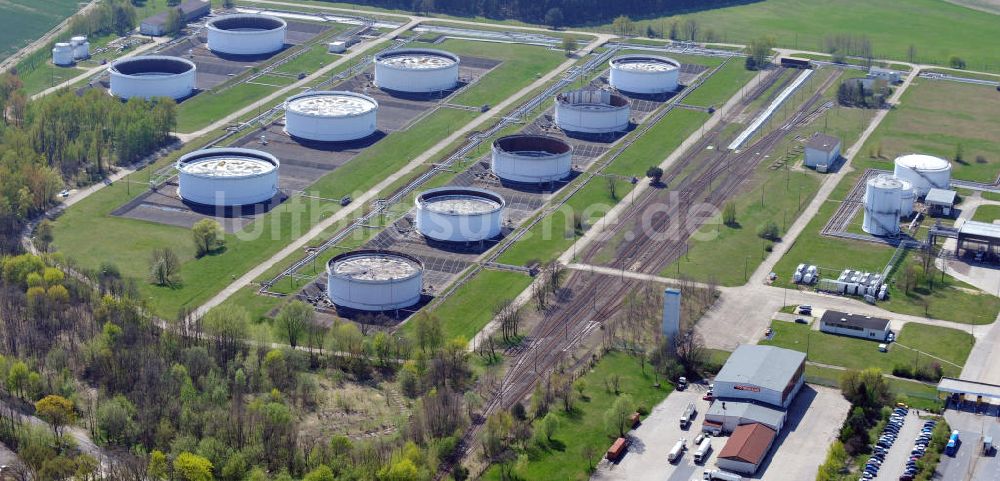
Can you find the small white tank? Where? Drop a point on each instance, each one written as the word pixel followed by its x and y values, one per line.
pixel 906 199
pixel 924 172
pixel 883 196
pixel 81 47
pixel 62 54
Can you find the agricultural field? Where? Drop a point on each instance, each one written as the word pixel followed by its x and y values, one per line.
pixel 34 18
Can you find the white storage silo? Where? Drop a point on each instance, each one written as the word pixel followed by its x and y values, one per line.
pixel 330 116
pixel 925 172
pixel 246 34
pixel 592 111
pixel 644 74
pixel 906 198
pixel 81 47
pixel 459 214
pixel 372 280
pixel 532 159
pixel 882 200
pixel 62 54
pixel 227 177
pixel 152 76
pixel 416 70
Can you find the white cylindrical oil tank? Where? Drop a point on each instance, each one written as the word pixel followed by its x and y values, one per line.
pixel 152 76
pixel 882 201
pixel 906 198
pixel 62 54
pixel 644 74
pixel 416 70
pixel 81 47
pixel 592 111
pixel 227 177
pixel 330 116
pixel 372 280
pixel 459 214
pixel 532 159
pixel 925 172
pixel 246 34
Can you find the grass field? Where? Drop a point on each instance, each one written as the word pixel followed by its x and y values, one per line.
pixel 732 77
pixel 521 64
pixel 987 213
pixel 29 19
pixel 560 460
pixel 944 29
pixel 208 107
pixel 915 394
pixel 853 353
pixel 45 76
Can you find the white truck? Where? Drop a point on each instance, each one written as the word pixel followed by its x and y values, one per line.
pixel 721 476
pixel 701 455
pixel 677 451
pixel 689 413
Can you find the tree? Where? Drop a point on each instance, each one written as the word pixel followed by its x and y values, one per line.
pixel 208 237
pixel 43 235
pixel 623 26
pixel 548 425
pixel 554 17
pixel 729 215
pixel 959 153
pixel 911 53
pixel 770 231
pixel 758 51
pixel 191 467
pixel 957 62
pixel 164 267
pixel 175 21
pixel 612 187
pixel 293 320
pixel 429 331
pixel 57 411
pixel 116 420
pixel 157 467
pixel 617 416
pixel 655 175
pixel 569 45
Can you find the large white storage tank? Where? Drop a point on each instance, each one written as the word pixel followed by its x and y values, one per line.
pixel 459 214
pixel 906 198
pixel 152 76
pixel 81 47
pixel 62 54
pixel 416 70
pixel 330 116
pixel 592 111
pixel 372 280
pixel 227 177
pixel 925 172
pixel 644 74
pixel 246 34
pixel 532 159
pixel 883 195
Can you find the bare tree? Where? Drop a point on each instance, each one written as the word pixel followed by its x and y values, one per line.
pixel 509 317
pixel 689 347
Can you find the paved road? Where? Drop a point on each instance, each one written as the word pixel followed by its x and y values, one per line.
pixel 899 453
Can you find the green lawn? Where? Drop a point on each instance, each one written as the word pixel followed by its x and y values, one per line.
pixel 915 394
pixel 522 64
pixel 47 75
pixel 208 107
pixel 987 213
pixel 853 353
pixel 29 19
pixel 732 77
pixel 936 29
pixel 561 459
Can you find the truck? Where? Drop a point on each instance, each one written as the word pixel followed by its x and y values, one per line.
pixel 689 413
pixel 701 455
pixel 682 383
pixel 617 449
pixel 677 451
pixel 952 445
pixel 987 445
pixel 721 476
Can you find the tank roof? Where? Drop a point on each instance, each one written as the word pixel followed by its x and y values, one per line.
pixel 532 145
pixel 246 22
pixel 885 181
pixel 227 162
pixel 331 104
pixel 374 266
pixel 152 65
pixel 923 162
pixel 645 63
pixel 460 201
pixel 417 59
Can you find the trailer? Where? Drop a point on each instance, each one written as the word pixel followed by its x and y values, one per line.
pixel 617 450
pixel 677 451
pixel 987 445
pixel 689 414
pixel 721 476
pixel 701 455
pixel 794 62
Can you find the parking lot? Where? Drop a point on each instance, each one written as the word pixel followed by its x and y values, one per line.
pixel 969 462
pixel 895 460
pixel 814 419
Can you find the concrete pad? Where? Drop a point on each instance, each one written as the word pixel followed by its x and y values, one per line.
pixel 814 420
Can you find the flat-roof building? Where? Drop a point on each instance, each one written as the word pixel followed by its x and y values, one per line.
pixel 724 416
pixel 762 374
pixel 746 448
pixel 940 201
pixel 822 151
pixel 156 25
pixel 854 325
pixel 979 237
pixel 889 75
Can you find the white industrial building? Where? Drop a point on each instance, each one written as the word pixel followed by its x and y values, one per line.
pixel 330 116
pixel 246 34
pixel 940 201
pixel 854 325
pixel 644 74
pixel 532 159
pixel 592 111
pixel 822 151
pixel 62 54
pixel 459 214
pixel 883 199
pixel 746 448
pixel 227 177
pixel 152 76
pixel 416 70
pixel 924 172
pixel 761 374
pixel 724 416
pixel 372 280
pixel 889 75
pixel 156 25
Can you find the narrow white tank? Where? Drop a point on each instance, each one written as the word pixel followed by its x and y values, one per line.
pixel 371 280
pixel 592 111
pixel 81 47
pixel 532 159
pixel 246 34
pixel 906 199
pixel 882 200
pixel 152 76
pixel 62 54
pixel 644 74
pixel 925 172
pixel 416 70
pixel 459 214
pixel 227 177
pixel 330 116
